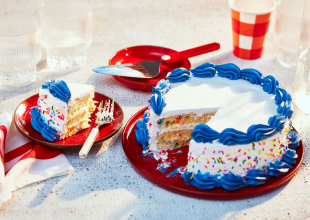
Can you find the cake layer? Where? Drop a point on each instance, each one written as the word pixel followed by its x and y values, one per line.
pixel 183 121
pixel 83 117
pixel 79 115
pixel 86 104
pixel 78 127
pixel 175 131
pixel 174 139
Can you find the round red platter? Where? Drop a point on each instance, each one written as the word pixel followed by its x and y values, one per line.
pixel 148 168
pixel 22 121
pixel 140 53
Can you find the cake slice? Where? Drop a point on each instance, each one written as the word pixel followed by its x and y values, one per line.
pixel 62 109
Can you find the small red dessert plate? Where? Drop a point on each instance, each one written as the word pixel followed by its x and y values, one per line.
pixel 140 53
pixel 166 178
pixel 22 121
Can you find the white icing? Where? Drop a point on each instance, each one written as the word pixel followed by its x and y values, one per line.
pixel 268 150
pixel 239 104
pixel 49 106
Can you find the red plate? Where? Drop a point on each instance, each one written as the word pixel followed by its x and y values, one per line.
pixel 147 167
pixel 23 124
pixel 140 53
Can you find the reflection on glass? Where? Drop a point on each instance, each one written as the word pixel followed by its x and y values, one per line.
pixel 66 33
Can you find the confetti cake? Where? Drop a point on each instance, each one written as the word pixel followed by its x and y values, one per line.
pixel 235 122
pixel 62 109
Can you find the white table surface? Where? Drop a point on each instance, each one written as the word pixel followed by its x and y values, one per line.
pixel 104 185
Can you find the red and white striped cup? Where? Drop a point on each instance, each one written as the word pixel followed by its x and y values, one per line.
pixel 250 22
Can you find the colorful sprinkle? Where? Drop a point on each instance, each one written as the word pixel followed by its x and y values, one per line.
pixel 192 176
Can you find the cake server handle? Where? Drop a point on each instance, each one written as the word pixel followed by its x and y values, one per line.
pixel 89 142
pixel 177 56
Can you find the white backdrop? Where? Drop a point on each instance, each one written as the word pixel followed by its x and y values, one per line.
pixel 105 186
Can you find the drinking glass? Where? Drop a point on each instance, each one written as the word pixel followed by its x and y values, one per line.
pixel 20 49
pixel 287 30
pixel 301 89
pixel 66 33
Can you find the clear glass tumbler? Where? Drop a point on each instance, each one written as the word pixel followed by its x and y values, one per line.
pixel 20 49
pixel 66 33
pixel 287 30
pixel 301 89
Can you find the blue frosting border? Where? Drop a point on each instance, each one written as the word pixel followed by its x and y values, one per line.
pixel 254 177
pixel 59 89
pixel 141 132
pixel 37 122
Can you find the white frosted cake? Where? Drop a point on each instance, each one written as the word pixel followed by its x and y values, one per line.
pixel 62 109
pixel 235 122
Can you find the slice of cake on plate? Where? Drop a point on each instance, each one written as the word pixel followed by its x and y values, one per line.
pixel 235 122
pixel 62 109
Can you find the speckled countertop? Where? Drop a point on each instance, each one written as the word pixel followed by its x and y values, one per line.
pixel 105 186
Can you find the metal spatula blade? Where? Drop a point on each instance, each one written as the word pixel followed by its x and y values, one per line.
pixel 149 68
pixel 143 69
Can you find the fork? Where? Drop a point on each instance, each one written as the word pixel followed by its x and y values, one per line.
pixel 104 116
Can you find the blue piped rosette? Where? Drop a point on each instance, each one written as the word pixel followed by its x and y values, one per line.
pixel 37 122
pixel 157 103
pixel 178 75
pixel 142 134
pixel 202 133
pixel 59 89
